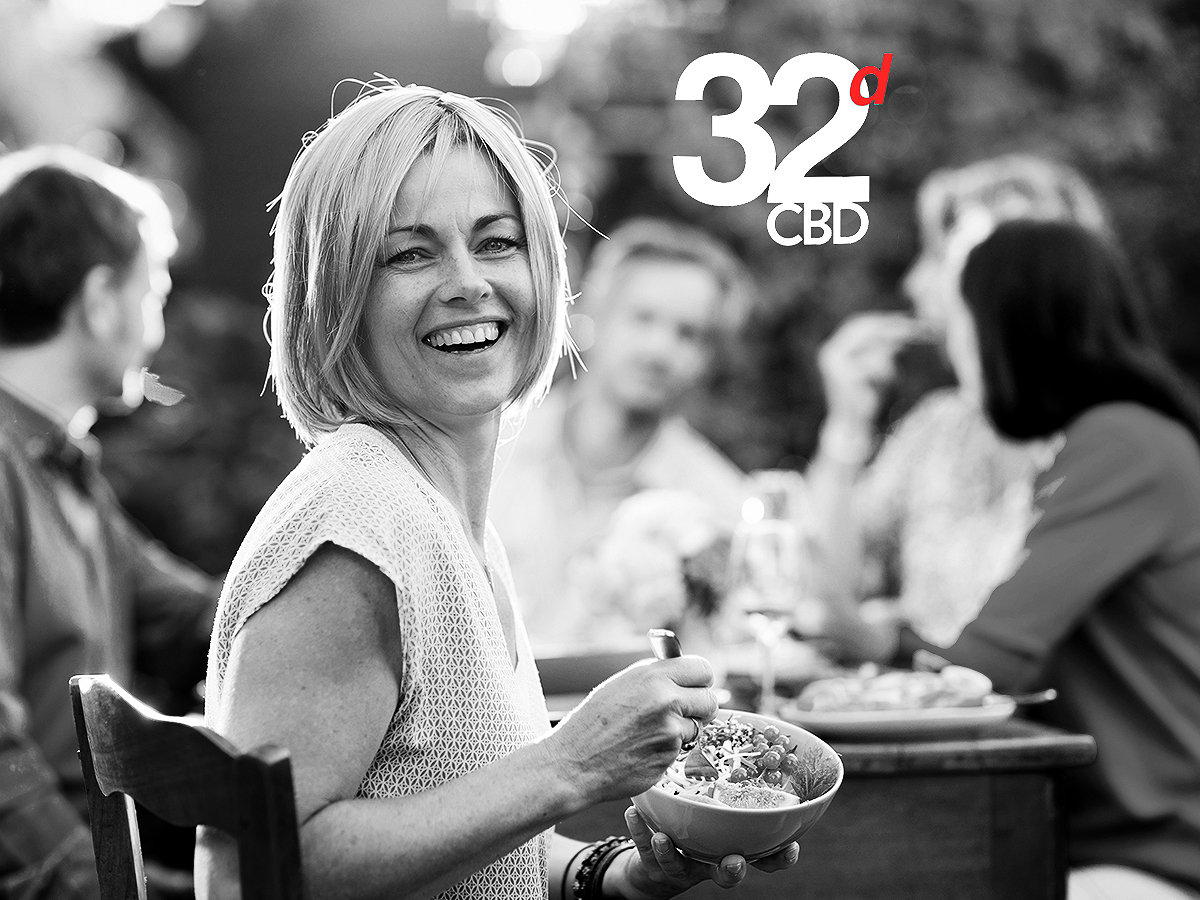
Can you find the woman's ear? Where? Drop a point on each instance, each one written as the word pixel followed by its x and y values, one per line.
pixel 99 304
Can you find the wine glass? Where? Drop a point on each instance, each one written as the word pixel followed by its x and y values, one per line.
pixel 766 580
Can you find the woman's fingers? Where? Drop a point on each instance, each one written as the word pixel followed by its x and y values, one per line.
pixel 669 859
pixel 784 858
pixel 688 671
pixel 622 738
pixel 641 834
pixel 871 335
pixel 730 872
pixel 859 359
pixel 658 852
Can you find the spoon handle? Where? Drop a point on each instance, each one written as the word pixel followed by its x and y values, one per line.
pixel 664 643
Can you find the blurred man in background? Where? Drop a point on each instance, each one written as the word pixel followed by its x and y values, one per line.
pixel 657 301
pixel 83 278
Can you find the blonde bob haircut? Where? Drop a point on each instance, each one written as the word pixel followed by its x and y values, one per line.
pixel 330 230
pixel 1012 186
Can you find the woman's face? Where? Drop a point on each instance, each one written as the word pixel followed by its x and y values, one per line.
pixel 933 284
pixel 450 314
pixel 924 282
pixel 654 333
pixel 962 342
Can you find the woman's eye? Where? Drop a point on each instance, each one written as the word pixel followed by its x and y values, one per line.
pixel 405 257
pixel 502 244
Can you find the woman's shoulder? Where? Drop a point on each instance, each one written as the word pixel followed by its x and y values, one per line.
pixel 354 479
pixel 1127 445
pixel 354 488
pixel 356 455
pixel 1136 425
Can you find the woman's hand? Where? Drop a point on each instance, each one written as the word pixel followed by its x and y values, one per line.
pixel 622 738
pixel 859 360
pixel 658 870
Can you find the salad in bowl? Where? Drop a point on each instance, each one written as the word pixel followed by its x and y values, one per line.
pixel 750 785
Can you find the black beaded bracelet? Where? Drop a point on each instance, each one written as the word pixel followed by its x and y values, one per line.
pixel 567 871
pixel 586 885
pixel 597 887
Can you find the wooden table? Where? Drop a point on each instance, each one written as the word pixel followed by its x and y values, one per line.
pixel 969 818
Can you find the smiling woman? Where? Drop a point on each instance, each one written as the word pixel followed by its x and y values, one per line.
pixel 340 241
pixel 368 623
pixel 451 316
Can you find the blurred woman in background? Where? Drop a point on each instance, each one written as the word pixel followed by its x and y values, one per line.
pixel 935 519
pixel 1105 606
pixel 368 623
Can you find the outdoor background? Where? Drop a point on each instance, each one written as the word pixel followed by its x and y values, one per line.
pixel 211 99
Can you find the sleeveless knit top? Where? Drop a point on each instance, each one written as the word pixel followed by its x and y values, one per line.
pixel 461 704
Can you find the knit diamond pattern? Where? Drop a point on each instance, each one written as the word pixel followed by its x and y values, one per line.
pixel 461 704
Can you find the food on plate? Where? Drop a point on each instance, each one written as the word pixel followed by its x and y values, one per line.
pixel 733 763
pixel 870 689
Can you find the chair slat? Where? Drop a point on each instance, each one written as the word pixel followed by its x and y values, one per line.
pixel 187 775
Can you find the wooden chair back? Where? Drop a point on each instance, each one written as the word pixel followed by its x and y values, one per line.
pixel 187 775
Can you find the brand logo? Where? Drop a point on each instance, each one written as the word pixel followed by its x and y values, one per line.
pixel 821 202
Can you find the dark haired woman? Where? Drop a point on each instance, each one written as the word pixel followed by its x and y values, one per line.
pixel 1105 606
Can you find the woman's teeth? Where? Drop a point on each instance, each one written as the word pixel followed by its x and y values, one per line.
pixel 467 336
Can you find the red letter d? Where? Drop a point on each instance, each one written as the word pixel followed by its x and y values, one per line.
pixel 881 75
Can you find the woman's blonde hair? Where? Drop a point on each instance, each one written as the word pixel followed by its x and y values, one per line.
pixel 1012 186
pixel 330 230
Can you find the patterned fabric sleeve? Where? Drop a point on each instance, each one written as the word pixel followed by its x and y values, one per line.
pixel 316 506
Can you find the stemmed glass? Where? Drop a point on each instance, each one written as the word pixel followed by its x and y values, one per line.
pixel 767 573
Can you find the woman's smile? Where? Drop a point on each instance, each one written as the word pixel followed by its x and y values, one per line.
pixel 466 338
pixel 451 310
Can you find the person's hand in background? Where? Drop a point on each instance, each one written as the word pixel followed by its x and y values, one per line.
pixel 858 362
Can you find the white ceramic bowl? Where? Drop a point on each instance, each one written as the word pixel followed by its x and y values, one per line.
pixel 710 831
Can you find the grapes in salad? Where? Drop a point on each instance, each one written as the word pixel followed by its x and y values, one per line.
pixel 736 764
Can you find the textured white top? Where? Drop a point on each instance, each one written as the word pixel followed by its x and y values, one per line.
pixel 461 703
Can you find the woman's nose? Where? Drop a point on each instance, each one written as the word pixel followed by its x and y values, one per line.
pixel 465 279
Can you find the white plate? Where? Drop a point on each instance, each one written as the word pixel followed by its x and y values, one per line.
pixel 875 723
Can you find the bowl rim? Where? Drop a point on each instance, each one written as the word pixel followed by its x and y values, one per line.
pixel 775 810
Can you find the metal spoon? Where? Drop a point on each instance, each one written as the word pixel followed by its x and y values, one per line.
pixel 664 643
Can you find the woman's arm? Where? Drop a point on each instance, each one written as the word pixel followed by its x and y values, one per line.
pixel 1106 507
pixel 848 499
pixel 317 670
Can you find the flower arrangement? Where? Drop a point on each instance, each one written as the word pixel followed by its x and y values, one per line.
pixel 661 563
